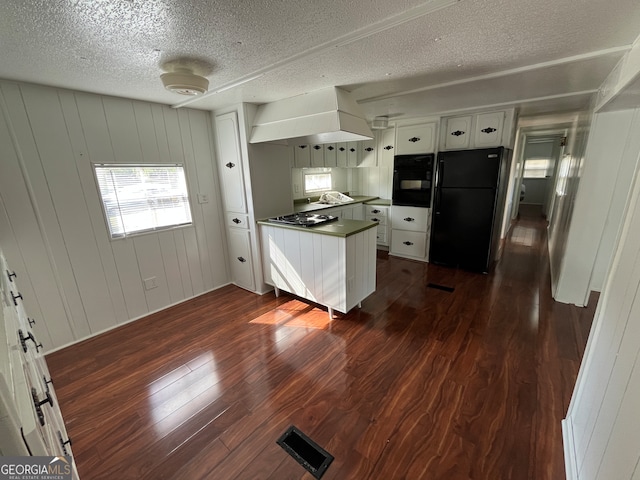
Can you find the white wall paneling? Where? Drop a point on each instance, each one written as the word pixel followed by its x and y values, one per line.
pixel 54 210
pixel 602 419
pixel 611 135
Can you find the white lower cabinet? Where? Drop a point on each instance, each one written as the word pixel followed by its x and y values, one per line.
pixel 380 215
pixel 410 232
pixel 240 258
pixel 337 272
pixel 30 419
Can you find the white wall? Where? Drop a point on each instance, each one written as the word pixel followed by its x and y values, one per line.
pixel 602 428
pixel 52 220
pixel 612 149
pixel 341 180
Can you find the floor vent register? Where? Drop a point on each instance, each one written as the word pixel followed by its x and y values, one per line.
pixel 305 451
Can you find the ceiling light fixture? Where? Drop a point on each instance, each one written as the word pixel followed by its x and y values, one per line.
pixel 184 82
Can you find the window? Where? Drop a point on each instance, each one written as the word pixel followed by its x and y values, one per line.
pixel 143 198
pixel 317 182
pixel 537 167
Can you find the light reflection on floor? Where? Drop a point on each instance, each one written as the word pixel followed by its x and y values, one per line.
pixel 526 236
pixel 179 395
pixel 295 313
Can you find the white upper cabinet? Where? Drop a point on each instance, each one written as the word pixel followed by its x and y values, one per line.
pixel 386 149
pixel 369 153
pixel 230 162
pixel 457 131
pixel 488 129
pixel 352 154
pixel 302 156
pixel 317 155
pixel 480 130
pixel 341 155
pixel 411 139
pixel 330 158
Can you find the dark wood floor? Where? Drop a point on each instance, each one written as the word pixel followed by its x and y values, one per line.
pixel 419 383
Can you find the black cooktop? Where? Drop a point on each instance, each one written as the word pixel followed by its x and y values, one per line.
pixel 304 219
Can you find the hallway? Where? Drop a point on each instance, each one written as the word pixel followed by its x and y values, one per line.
pixel 421 382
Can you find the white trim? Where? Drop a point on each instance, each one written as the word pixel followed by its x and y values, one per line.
pixel 503 73
pixel 570 465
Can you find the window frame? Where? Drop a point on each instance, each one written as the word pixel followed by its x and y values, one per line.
pixel 125 235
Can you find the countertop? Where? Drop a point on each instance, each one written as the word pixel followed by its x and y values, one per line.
pixel 342 227
pixel 312 207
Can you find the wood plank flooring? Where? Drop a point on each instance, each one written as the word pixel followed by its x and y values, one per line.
pixel 419 383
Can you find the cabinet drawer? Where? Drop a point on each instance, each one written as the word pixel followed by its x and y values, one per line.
pixel 238 221
pixel 409 218
pixel 376 210
pixel 409 244
pixel 379 219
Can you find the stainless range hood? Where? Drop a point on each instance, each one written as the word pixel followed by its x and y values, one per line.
pixel 328 115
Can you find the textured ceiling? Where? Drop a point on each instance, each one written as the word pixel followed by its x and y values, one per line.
pixel 406 58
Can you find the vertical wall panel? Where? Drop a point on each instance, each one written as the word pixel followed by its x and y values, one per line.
pixel 121 122
pixel 193 257
pixel 150 262
pixel 183 262
pixel 56 155
pixel 171 266
pixel 83 157
pixel 147 132
pixel 157 114
pixel 130 277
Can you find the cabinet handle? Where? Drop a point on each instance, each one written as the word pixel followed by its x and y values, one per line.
pixel 414 139
pixel 408 243
pixel 302 146
pixel 236 221
pixel 31 321
pixel 352 149
pixel 230 165
pixel 16 297
pixel 388 147
pixel 242 259
pixel 11 275
pixel 23 341
pixel 375 211
pixel 368 149
pixel 409 219
pixel 488 130
pixel 64 443
pixel 457 133
pixel 330 148
pixel 47 382
pixel 342 149
pixel 317 147
pixel 375 219
pixel 37 403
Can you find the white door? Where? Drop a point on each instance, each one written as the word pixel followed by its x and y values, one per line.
pixel 230 162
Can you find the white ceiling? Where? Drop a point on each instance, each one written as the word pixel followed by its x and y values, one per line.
pixel 403 58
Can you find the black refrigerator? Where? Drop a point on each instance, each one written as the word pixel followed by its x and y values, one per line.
pixel 468 207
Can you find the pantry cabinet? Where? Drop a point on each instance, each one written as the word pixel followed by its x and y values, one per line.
pixel 231 176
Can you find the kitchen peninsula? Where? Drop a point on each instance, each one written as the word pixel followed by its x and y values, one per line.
pixel 333 264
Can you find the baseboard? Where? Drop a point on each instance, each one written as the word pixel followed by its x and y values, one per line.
pixel 570 465
pixel 95 334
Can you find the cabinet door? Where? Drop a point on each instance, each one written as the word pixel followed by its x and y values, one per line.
pixel 488 130
pixel 352 154
pixel 413 139
pixel 368 155
pixel 317 156
pixel 387 148
pixel 341 155
pixel 330 159
pixel 358 212
pixel 240 258
pixel 230 162
pixel 302 156
pixel 457 132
